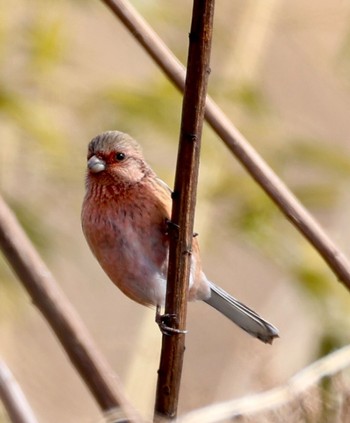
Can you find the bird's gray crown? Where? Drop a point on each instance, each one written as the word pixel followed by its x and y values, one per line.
pixel 113 141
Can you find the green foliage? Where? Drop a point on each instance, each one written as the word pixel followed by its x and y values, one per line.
pixel 329 343
pixel 46 41
pixel 153 104
pixel 251 99
pixel 31 117
pixel 313 279
pixel 312 152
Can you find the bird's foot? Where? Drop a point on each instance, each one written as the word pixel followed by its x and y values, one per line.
pixel 171 227
pixel 165 321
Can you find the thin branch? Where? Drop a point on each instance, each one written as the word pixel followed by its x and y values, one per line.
pixel 12 397
pixel 61 316
pixel 238 145
pixel 277 397
pixel 184 201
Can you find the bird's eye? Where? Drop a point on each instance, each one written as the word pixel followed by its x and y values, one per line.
pixel 120 157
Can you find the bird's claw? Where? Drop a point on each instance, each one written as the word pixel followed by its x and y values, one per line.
pixel 172 226
pixel 164 321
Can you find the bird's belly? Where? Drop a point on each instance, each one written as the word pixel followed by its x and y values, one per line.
pixel 133 260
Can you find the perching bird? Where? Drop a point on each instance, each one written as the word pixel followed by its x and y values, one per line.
pixel 125 218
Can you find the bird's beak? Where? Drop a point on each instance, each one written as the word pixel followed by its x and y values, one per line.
pixel 96 165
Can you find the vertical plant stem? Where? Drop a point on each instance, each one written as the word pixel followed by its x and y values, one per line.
pixel 258 169
pixel 184 200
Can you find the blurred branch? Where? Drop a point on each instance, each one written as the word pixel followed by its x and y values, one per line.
pixel 277 397
pixel 61 316
pixel 13 398
pixel 184 201
pixel 238 145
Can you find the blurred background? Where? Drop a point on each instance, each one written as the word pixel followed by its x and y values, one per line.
pixel 280 70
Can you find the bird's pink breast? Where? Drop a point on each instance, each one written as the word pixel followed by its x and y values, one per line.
pixel 127 236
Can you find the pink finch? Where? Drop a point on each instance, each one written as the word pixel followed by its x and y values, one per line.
pixel 125 218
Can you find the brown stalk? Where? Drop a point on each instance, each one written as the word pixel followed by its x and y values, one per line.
pixel 238 145
pixel 184 201
pixel 61 316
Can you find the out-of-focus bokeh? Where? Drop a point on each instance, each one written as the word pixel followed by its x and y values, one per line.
pixel 280 70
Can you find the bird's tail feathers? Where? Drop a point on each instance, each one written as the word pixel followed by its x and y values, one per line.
pixel 241 315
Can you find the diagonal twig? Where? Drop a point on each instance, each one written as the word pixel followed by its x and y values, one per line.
pixel 61 316
pixel 277 397
pixel 238 145
pixel 12 397
pixel 184 200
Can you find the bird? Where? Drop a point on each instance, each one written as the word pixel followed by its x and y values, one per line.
pixel 125 216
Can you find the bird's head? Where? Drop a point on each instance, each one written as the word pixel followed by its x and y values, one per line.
pixel 115 158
